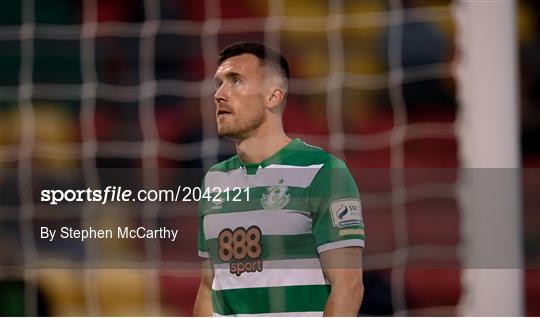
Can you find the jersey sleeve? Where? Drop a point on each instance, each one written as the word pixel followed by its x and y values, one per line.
pixel 201 239
pixel 335 208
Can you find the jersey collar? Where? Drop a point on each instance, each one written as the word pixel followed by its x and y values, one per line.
pixel 276 158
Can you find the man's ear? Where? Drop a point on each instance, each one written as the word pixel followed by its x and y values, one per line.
pixel 276 98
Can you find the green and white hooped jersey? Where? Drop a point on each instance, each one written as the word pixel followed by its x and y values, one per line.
pixel 265 234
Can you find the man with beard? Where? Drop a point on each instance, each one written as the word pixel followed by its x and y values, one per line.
pixel 291 244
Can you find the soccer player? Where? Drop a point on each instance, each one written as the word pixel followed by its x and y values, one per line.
pixel 287 237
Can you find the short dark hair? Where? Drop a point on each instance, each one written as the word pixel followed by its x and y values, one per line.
pixel 264 53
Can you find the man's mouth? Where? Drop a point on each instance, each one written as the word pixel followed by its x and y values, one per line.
pixel 223 112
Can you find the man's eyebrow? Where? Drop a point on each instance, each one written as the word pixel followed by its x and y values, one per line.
pixel 228 75
pixel 233 74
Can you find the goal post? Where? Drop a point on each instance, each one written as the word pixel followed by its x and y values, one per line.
pixel 488 132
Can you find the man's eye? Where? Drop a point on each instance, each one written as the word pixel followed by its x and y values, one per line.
pixel 236 80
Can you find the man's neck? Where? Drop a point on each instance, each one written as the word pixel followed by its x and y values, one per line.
pixel 257 148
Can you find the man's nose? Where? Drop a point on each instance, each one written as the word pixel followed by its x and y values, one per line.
pixel 220 95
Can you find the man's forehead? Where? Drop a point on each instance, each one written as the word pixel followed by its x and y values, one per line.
pixel 239 63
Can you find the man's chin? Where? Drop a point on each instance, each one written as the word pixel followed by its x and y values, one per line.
pixel 231 135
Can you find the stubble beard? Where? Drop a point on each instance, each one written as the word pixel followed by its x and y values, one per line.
pixel 241 128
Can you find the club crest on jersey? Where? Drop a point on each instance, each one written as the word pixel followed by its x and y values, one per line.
pixel 276 197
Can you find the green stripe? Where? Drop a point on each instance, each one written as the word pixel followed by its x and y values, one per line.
pixel 270 300
pixel 277 247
